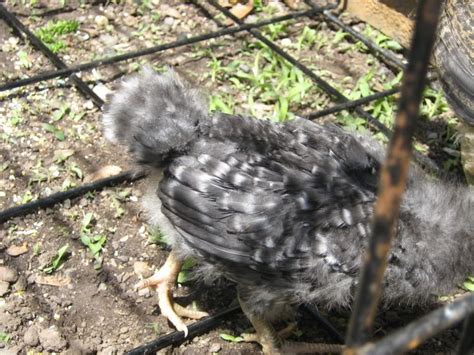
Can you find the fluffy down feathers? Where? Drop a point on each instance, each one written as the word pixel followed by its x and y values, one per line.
pixel 154 116
pixel 284 210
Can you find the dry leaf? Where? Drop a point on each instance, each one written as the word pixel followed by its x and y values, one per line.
pixel 53 280
pixel 15 250
pixel 240 11
pixel 102 173
pixel 61 155
pixel 292 4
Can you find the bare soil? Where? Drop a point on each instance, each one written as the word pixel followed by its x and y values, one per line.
pixel 83 307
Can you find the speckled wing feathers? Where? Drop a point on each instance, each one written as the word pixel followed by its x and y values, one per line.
pixel 270 206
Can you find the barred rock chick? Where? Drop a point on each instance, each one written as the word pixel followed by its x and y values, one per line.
pixel 283 210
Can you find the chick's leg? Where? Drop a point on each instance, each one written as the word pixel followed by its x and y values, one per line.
pixel 163 281
pixel 265 334
pixel 272 342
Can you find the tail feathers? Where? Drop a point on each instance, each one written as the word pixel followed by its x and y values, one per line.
pixel 155 116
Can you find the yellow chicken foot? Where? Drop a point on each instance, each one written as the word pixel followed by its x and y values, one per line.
pixel 163 281
pixel 272 342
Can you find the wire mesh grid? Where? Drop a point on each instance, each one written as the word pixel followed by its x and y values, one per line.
pixel 215 27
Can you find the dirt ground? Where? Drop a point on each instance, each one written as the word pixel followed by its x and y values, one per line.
pixel 52 141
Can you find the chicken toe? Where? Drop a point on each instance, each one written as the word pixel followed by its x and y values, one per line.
pixel 272 342
pixel 163 281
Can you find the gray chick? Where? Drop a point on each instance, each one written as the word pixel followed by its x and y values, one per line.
pixel 283 210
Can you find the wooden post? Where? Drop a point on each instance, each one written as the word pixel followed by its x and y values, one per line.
pixel 392 17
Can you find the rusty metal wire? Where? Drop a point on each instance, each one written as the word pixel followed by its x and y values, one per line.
pixel 411 336
pixel 393 176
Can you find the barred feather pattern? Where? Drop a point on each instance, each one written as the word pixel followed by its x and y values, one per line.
pixel 285 210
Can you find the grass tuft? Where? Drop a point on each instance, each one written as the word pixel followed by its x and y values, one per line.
pixel 50 33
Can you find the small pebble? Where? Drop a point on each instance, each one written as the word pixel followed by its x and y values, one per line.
pixel 108 40
pixel 168 21
pixel 215 348
pixel 123 239
pixel 31 279
pixel 244 67
pixel 123 330
pixel 101 21
pixel 8 274
pixel 13 40
pixel 286 42
pixel 16 250
pixel 4 288
pixel 89 105
pixel 122 258
pixel 51 339
pixel 31 336
pixel 67 204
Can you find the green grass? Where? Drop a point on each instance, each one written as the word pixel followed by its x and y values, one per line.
pixel 50 33
pixel 186 270
pixel 57 260
pixel 266 86
pixel 469 284
pixel 95 243
pixel 4 337
pixel 231 338
pixel 157 237
pixel 369 32
pixel 267 81
pixel 383 109
pixel 117 199
pixel 153 326
pixel 433 104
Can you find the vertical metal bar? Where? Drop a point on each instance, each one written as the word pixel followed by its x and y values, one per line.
pixel 466 345
pixel 393 176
